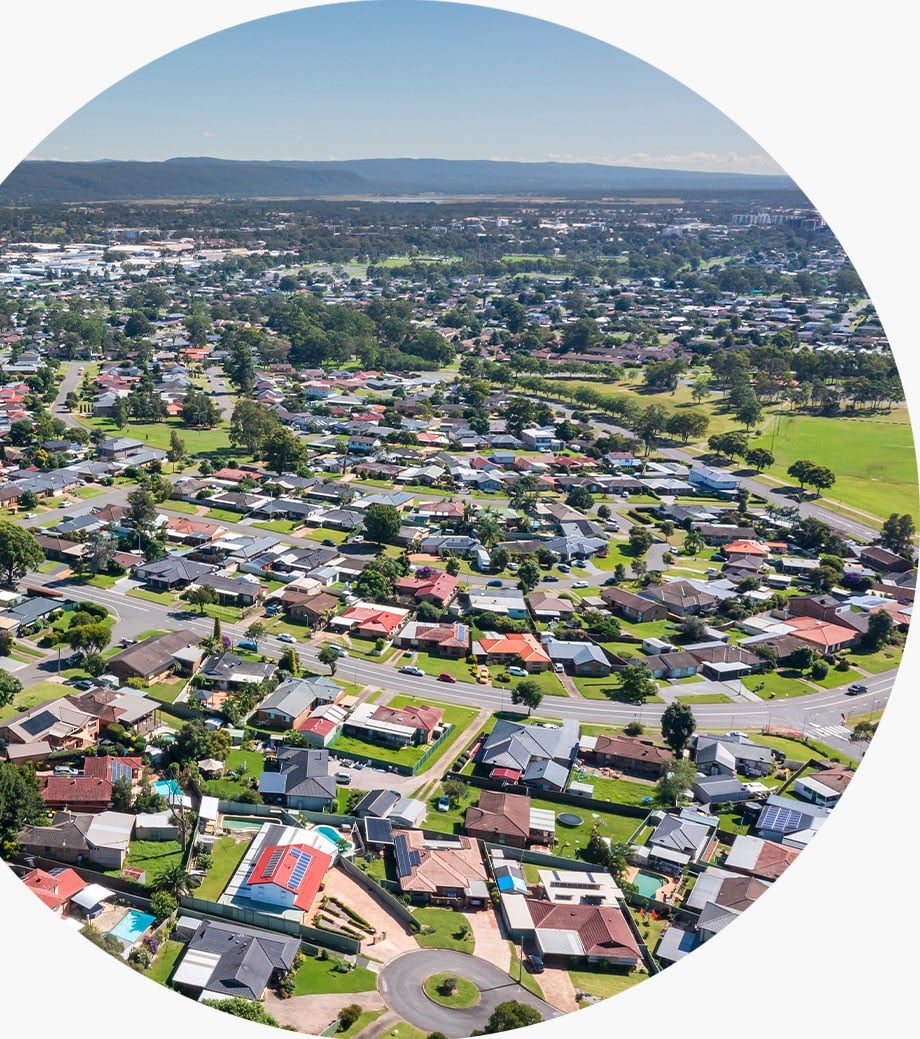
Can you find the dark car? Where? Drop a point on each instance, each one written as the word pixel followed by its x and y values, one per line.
pixel 534 964
pixel 856 688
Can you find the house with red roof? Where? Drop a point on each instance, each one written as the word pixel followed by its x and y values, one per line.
pixel 443 640
pixel 77 793
pixel 427 585
pixel 288 876
pixel 745 547
pixel 514 648
pixel 394 726
pixel 369 620
pixel 55 888
pixel 822 636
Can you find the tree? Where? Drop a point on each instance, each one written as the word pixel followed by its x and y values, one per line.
pixel 688 425
pixel 122 795
pixel 511 1014
pixel 528 693
pixel 636 683
pixel 529 575
pixel 802 658
pixel 255 631
pixel 143 508
pixel 20 804
pixel 802 470
pixel 199 411
pixel 176 880
pixel 120 413
pixel 10 687
pixel 878 631
pixel 328 656
pixel 731 445
pixel 580 498
pixel 750 413
pixel 176 450
pixel 19 552
pixel 679 777
pixel 290 661
pixel 382 523
pixel 758 458
pixel 640 541
pixel 897 534
pixel 239 1006
pixel 162 904
pixel 284 451
pixel 693 629
pixel 677 726
pixel 251 425
pixel 200 596
pixel 348 1015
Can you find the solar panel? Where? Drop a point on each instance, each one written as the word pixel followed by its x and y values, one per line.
pixel 273 861
pixel 303 864
pixel 120 771
pixel 776 817
pixel 39 723
pixel 378 831
pixel 403 858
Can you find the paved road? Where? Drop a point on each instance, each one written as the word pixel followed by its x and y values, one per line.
pixel 223 396
pixel 72 370
pixel 823 708
pixel 401 986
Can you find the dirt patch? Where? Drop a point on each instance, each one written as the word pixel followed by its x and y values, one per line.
pixel 390 938
pixel 314 1014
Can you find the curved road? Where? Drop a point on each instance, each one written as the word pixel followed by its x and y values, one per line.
pixel 401 983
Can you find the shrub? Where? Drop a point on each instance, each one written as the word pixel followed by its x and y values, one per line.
pixel 162 904
pixel 348 1015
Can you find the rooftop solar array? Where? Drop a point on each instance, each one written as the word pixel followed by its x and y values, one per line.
pixel 303 864
pixel 272 863
pixel 406 858
pixel 39 723
pixel 780 819
pixel 378 831
pixel 120 771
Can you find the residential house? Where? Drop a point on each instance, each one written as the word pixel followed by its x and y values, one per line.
pixel 301 781
pixel 152 659
pixel 449 868
pixel 394 726
pixel 539 756
pixel 631 754
pixel 82 839
pixel 633 607
pixel 509 819
pixel 444 640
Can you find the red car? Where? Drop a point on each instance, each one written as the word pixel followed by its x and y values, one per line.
pixel 445 677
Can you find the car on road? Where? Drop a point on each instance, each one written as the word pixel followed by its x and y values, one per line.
pixel 411 669
pixel 64 505
pixel 552 578
pixel 443 804
pixel 518 672
pixel 856 688
pixel 328 542
pixel 445 677
pixel 248 644
pixel 580 584
pixel 342 652
pixel 285 637
pixel 494 584
pixel 343 778
pixel 29 515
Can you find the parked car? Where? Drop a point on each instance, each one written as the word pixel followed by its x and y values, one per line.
pixel 580 584
pixel 551 578
pixel 534 964
pixel 65 770
pixel 611 580
pixel 343 778
pixel 494 584
pixel 856 688
pixel 518 672
pixel 285 637
pixel 445 677
pixel 124 643
pixel 559 667
pixel 253 647
pixel 342 652
pixel 565 568
pixel 84 684
pixel 443 804
pixel 411 669
pixel 580 563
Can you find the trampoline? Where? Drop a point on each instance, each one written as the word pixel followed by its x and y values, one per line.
pixel 570 819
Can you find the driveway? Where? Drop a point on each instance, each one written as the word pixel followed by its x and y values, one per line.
pixel 490 942
pixel 391 938
pixel 401 986
pixel 558 988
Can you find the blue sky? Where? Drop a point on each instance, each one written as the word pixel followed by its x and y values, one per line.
pixel 394 78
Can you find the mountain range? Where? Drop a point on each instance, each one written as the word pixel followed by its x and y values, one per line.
pixel 45 180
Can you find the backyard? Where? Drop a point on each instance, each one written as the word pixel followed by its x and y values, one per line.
pixel 226 854
pixel 154 857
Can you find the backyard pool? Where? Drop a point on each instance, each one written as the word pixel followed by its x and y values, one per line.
pixel 132 925
pixel 649 884
pixel 238 822
pixel 334 837
pixel 167 788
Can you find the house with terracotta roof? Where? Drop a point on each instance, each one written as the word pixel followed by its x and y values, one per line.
pixel 427 585
pixel 824 788
pixel 631 754
pixel 559 932
pixel 745 547
pixel 55 887
pixel 446 868
pixel 394 726
pixel 823 637
pixel 760 858
pixel 191 531
pixel 514 648
pixel 509 819
pixel 369 620
pixel 442 640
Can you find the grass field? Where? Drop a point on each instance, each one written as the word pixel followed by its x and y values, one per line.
pixel 873 458
pixel 162 967
pixel 317 976
pixel 227 855
pixel 603 984
pixel 781 684
pixel 446 926
pixel 41 692
pixel 156 434
pixel 155 857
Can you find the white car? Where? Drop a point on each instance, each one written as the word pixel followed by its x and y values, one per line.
pixel 580 584
pixel 284 637
pixel 518 672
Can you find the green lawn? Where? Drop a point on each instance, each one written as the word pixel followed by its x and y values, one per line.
pixel 151 633
pixel 225 789
pixel 164 598
pixel 166 692
pixel 317 976
pixel 162 967
pixel 363 1021
pixel 548 681
pixel 88 491
pixel 872 458
pixel 571 840
pixel 463 993
pixel 277 526
pixel 604 689
pixel 450 821
pixel 153 856
pixel 175 505
pixel 618 791
pixel 434 666
pixel 227 855
pixel 224 514
pixel 252 759
pixel 603 984
pixel 781 684
pixel 460 717
pixel 446 924
pixel 705 698
pixel 884 660
pixel 528 981
pixel 156 434
pixel 326 534
pixel 40 692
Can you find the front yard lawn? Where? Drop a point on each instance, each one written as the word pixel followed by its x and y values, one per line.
pixel 164 598
pixel 446 925
pixel 317 976
pixel 884 660
pixel 40 692
pixel 781 684
pixel 604 984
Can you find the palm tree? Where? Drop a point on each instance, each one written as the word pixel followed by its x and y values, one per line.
pixel 176 880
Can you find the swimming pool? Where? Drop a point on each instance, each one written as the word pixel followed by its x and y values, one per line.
pixel 334 837
pixel 237 822
pixel 649 884
pixel 167 788
pixel 132 925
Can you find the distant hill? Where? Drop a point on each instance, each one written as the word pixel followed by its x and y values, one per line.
pixel 109 180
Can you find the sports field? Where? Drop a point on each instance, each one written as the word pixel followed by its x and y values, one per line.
pixel 873 458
